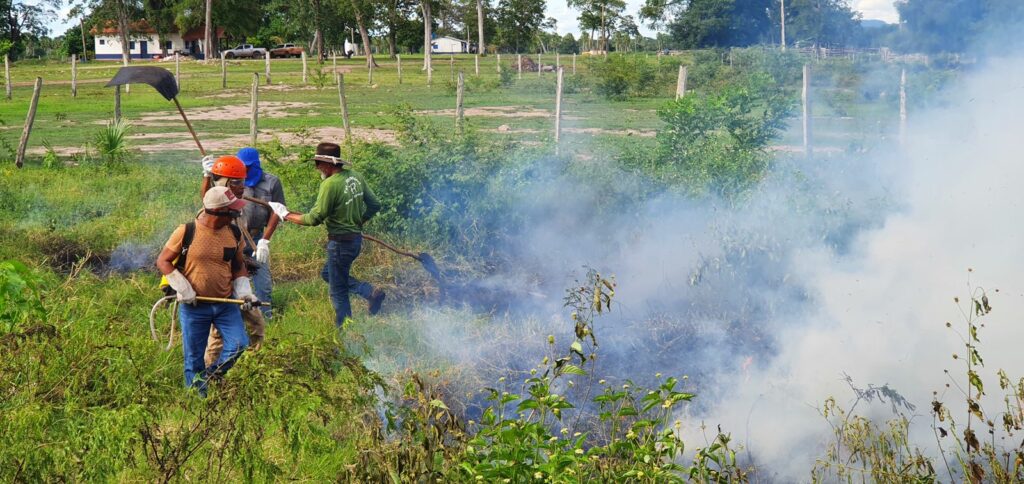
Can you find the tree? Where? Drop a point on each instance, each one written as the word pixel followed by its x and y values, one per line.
pixel 425 7
pixel 119 12
pixel 361 11
pixel 481 46
pixel 821 22
pixel 721 23
pixel 603 12
pixel 518 23
pixel 160 15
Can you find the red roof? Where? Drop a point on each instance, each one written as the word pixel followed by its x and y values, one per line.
pixel 143 27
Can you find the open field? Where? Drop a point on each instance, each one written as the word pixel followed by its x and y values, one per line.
pixel 523 110
pixel 465 382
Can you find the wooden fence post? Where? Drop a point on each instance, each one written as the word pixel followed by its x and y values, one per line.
pixel 574 64
pixel 558 110
pixel 497 63
pixel 334 62
pixel 74 75
pixel 519 64
pixel 344 107
pixel 127 87
pixel 223 72
pixel 398 63
pixel 558 61
pixel 451 67
pixel 177 71
pixel 117 103
pixel 459 96
pixel 254 108
pixel 305 79
pixel 806 97
pixel 681 83
pixel 7 76
pixel 476 64
pixel 266 68
pixel 369 78
pixel 20 158
pixel 540 63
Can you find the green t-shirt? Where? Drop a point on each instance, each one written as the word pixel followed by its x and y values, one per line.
pixel 344 204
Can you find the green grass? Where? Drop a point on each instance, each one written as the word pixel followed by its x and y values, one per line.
pixel 75 405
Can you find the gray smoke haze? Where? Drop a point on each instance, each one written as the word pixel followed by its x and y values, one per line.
pixel 843 264
pixel 880 310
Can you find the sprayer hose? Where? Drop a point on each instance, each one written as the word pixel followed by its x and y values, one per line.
pixel 152 319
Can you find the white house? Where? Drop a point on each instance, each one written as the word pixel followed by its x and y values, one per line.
pixel 144 43
pixel 449 45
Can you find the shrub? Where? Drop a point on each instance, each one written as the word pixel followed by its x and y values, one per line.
pixel 717 142
pixel 622 77
pixel 20 296
pixel 112 142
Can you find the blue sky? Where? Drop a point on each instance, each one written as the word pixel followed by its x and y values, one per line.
pixel 559 9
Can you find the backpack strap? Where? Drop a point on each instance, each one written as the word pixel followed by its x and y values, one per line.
pixel 186 241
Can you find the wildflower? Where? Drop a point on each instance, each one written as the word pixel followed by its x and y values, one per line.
pixel 667 404
pixel 501 380
pixel 571 384
pixel 601 382
pixel 533 371
pixel 479 477
pixel 471 422
pixel 545 360
pixel 577 434
pixel 538 475
pixel 625 386
pixel 640 474
pixel 579 451
pixel 657 375
pixel 565 431
pixel 551 339
pixel 631 435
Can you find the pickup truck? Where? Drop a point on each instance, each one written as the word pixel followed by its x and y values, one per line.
pixel 286 50
pixel 246 50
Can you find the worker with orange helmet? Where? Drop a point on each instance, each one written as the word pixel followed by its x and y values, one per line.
pixel 229 171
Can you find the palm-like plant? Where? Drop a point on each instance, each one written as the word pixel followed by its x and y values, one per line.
pixel 112 141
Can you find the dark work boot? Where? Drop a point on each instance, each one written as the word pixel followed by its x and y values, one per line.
pixel 376 299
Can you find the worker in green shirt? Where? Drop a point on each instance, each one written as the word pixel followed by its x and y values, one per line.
pixel 344 204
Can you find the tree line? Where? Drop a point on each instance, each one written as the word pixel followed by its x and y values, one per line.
pixel 392 27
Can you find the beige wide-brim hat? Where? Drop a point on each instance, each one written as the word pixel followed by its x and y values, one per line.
pixel 221 197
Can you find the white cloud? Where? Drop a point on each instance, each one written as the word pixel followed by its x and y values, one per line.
pixel 877 9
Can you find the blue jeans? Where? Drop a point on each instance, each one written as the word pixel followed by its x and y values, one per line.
pixel 336 273
pixel 195 330
pixel 263 286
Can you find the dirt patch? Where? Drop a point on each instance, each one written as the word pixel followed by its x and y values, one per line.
pixel 183 141
pixel 506 129
pixel 272 109
pixel 495 112
pixel 644 133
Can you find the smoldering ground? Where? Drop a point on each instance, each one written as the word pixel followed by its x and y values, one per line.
pixel 833 266
pixel 879 310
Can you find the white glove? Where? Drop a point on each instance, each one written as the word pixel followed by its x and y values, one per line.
pixel 208 161
pixel 243 291
pixel 263 251
pixel 181 285
pixel 279 209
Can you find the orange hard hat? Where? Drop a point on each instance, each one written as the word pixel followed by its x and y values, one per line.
pixel 229 166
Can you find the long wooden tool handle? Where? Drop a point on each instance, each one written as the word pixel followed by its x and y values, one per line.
pixel 227 301
pixel 365 236
pixel 390 247
pixel 189 125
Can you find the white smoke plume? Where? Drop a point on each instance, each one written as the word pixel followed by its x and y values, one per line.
pixel 881 309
